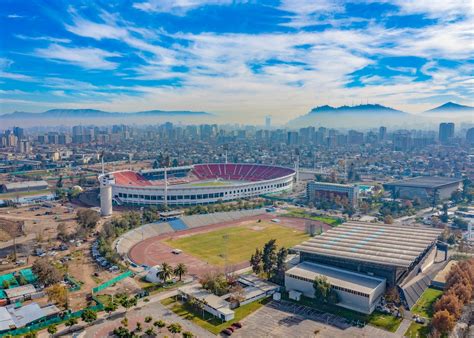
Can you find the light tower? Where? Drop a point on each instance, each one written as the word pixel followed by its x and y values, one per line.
pixel 226 150
pixel 297 165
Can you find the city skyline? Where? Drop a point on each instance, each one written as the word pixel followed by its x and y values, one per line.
pixel 241 60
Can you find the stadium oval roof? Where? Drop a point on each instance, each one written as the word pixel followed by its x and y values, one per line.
pixel 383 244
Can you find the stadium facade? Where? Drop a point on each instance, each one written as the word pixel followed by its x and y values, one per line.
pixel 197 184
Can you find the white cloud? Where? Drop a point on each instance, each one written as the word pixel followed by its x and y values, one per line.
pixel 177 7
pixel 42 38
pixel 88 58
pixel 15 16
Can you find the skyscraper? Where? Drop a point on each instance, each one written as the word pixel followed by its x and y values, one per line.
pixel 268 122
pixel 382 133
pixel 446 132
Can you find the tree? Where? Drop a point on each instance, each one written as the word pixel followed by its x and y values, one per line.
pixel 52 329
pixel 148 319
pixel 188 334
pixel 70 322
pixel 256 261
pixel 174 328
pixel 388 219
pixel 463 292
pixel 87 218
pixel 121 332
pixel 150 332
pixel 321 289
pixel 111 307
pixel 280 265
pixel 269 257
pixel 59 183
pixel 443 321
pixel 47 273
pixel 166 272
pixel 62 232
pixel 57 294
pixel 450 303
pixel 180 270
pixel 88 316
pixel 159 324
pixel 444 217
pixel 127 303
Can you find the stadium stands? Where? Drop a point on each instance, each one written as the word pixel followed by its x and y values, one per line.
pixel 239 172
pixel 178 225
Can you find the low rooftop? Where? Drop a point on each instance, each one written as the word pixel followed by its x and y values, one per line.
pixel 430 182
pixel 337 277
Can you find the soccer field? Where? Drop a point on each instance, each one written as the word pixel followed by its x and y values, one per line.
pixel 241 242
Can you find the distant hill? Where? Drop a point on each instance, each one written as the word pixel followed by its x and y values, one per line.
pixel 83 116
pixel 359 109
pixel 450 107
pixel 360 116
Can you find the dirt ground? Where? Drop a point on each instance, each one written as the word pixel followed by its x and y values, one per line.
pixel 154 250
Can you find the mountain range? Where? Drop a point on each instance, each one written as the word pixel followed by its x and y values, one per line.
pixel 373 115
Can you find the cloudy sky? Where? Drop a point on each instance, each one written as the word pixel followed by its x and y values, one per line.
pixel 241 59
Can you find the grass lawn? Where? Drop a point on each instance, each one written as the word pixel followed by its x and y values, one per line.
pixel 299 213
pixel 209 322
pixel 424 305
pixel 416 330
pixel 384 321
pixel 241 242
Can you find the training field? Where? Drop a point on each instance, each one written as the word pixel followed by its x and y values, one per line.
pixel 237 242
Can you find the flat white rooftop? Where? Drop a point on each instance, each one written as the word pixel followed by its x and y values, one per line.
pixel 337 277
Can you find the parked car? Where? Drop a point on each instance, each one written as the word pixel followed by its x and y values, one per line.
pixel 226 332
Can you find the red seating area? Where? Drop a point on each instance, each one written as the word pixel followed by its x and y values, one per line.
pixel 239 172
pixel 130 178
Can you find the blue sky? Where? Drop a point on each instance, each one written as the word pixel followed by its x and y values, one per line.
pixel 240 59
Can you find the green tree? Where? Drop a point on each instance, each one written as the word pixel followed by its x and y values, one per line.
pixel 188 334
pixel 52 329
pixel 256 261
pixel 159 324
pixel 111 307
pixel 166 272
pixel 321 288
pixel 269 257
pixel 175 328
pixel 280 265
pixel 127 302
pixel 88 316
pixel 71 322
pixel 180 270
pixel 150 332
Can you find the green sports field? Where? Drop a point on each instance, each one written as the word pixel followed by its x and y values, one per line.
pixel 241 242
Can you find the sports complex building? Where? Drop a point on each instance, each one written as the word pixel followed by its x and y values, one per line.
pixel 361 259
pixel 195 184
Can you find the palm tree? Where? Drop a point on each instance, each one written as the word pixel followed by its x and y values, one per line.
pixel 166 272
pixel 180 270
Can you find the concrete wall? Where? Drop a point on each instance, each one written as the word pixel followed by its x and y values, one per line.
pixel 347 300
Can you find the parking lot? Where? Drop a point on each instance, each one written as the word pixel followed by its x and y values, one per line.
pixel 286 319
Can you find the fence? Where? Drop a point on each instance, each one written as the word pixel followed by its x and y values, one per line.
pixel 112 281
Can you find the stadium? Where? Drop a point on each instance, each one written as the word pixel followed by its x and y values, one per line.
pixel 194 184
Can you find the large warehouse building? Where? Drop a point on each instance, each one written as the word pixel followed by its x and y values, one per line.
pixel 384 252
pixel 424 187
